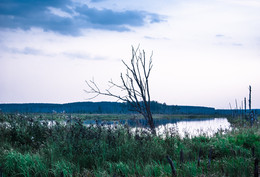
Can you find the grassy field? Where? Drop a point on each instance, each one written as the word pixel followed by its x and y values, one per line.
pixel 29 147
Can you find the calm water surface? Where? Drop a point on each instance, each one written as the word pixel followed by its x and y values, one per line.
pixel 184 127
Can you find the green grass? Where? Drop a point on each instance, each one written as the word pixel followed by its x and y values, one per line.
pixel 29 147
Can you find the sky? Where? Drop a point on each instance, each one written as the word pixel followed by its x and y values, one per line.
pixel 205 53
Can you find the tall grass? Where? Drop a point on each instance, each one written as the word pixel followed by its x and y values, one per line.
pixel 31 147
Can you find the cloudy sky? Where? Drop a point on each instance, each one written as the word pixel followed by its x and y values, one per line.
pixel 205 53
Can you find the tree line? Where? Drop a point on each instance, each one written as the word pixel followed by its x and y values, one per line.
pixel 102 108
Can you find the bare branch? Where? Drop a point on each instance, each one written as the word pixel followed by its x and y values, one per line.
pixel 135 85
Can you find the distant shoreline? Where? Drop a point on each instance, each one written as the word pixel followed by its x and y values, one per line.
pixel 114 108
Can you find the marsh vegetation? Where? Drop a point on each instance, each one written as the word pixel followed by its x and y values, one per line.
pixel 29 147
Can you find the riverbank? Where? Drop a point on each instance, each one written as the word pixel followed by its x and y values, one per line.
pixel 107 117
pixel 29 147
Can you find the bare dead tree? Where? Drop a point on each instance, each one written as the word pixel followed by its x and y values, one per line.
pixel 135 86
pixel 249 100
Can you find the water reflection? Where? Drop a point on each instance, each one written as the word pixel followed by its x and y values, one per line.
pixel 197 127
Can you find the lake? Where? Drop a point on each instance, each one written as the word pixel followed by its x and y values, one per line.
pixel 184 127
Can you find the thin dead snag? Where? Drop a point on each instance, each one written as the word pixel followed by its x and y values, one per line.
pixel 135 86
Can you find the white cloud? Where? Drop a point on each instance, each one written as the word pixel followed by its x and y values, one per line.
pixel 59 12
pixel 248 3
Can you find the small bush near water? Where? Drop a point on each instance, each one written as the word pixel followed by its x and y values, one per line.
pixel 31 147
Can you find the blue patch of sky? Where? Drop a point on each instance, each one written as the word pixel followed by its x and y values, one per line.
pixel 109 17
pixel 31 51
pixel 97 0
pixel 237 44
pixel 220 35
pixel 27 51
pixel 82 56
pixel 26 14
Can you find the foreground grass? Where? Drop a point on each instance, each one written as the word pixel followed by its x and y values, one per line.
pixel 29 147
